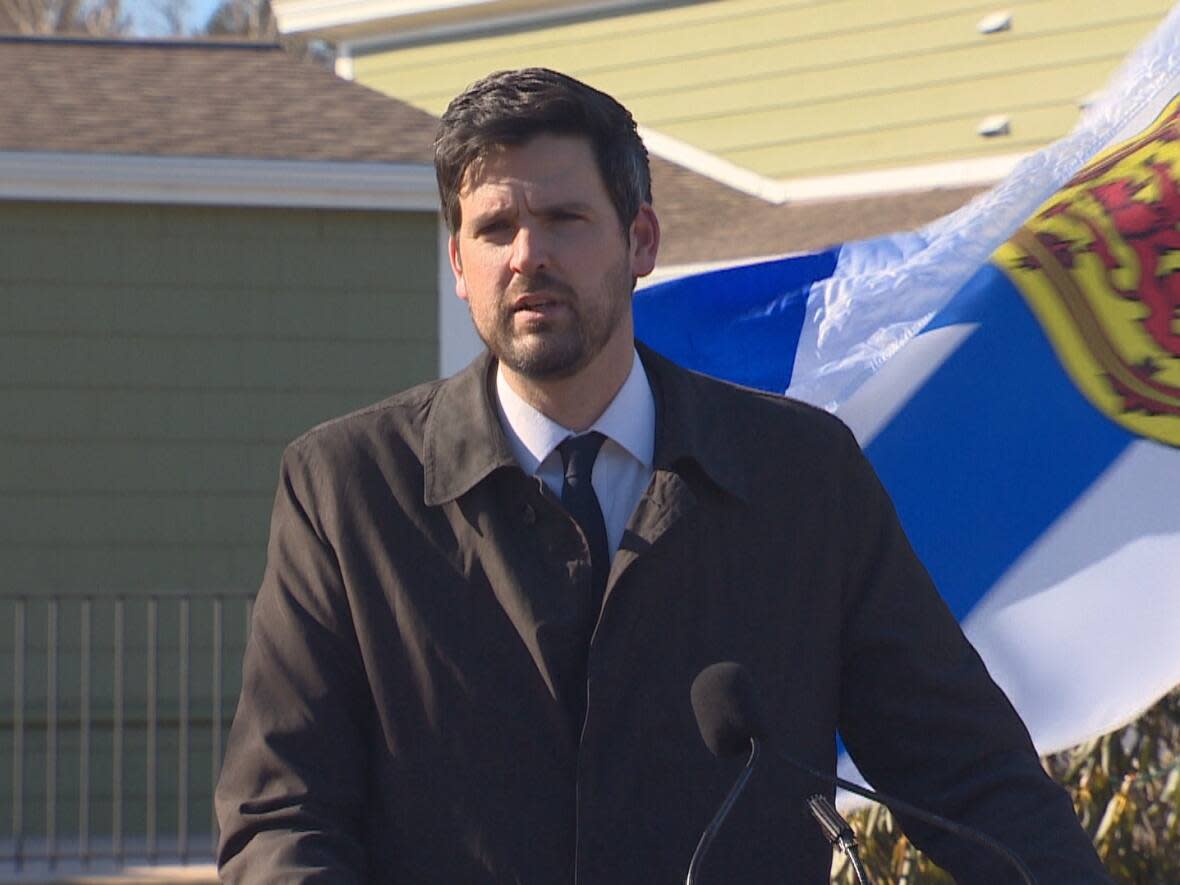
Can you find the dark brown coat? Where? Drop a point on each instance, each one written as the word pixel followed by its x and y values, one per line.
pixel 401 718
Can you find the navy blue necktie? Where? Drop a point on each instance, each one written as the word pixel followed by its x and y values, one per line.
pixel 577 496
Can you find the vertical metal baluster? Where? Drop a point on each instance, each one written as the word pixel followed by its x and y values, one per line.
pixel 51 736
pixel 84 739
pixel 216 736
pixel 18 732
pixel 182 766
pixel 117 740
pixel 152 626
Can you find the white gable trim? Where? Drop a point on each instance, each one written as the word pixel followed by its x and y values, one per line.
pixel 223 181
pixel 710 165
pixel 323 17
pixel 907 179
pixel 664 274
pixel 297 16
pixel 904 179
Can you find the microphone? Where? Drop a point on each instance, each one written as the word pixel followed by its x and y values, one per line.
pixel 729 717
pixel 725 704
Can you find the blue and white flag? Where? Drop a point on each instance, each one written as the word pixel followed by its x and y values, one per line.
pixel 1013 373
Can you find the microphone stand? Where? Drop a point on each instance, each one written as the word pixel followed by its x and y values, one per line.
pixel 898 806
pixel 726 706
pixel 710 832
pixel 838 833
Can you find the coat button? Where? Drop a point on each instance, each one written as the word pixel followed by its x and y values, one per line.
pixel 529 515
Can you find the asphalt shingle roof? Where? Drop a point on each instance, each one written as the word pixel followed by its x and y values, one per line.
pixel 196 98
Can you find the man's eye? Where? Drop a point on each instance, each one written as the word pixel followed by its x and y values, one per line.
pixel 492 229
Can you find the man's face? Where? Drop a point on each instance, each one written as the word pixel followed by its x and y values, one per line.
pixel 542 261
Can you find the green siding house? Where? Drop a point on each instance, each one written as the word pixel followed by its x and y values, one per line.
pixel 205 249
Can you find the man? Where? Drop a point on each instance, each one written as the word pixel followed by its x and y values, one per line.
pixel 486 598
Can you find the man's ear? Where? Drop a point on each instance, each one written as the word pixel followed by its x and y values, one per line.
pixel 457 267
pixel 645 241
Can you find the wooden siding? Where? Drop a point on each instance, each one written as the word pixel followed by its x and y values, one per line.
pixel 791 89
pixel 154 362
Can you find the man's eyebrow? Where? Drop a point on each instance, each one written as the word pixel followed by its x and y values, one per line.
pixel 479 219
pixel 558 207
pixel 574 207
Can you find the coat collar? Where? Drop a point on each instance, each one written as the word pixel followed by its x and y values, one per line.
pixel 464 442
pixel 692 425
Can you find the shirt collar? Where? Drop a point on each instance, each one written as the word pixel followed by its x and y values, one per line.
pixel 465 441
pixel 629 420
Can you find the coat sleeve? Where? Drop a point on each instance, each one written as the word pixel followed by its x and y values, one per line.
pixel 924 721
pixel 291 799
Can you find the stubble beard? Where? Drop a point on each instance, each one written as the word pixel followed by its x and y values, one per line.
pixel 557 348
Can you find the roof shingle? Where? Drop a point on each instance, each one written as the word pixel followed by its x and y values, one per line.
pixel 198 99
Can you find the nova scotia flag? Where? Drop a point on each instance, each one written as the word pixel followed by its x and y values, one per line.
pixel 1013 373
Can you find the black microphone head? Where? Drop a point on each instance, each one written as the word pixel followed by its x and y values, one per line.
pixel 726 706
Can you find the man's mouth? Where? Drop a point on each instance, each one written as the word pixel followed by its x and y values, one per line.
pixel 536 303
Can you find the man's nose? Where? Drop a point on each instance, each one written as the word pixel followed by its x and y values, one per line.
pixel 529 250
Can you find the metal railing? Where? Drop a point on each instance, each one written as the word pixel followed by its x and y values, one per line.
pixel 109 694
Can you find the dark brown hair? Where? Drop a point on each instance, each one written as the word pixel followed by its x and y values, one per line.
pixel 510 108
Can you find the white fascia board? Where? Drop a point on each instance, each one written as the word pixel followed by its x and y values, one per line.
pixel 671 272
pixel 710 165
pixel 906 179
pixel 225 181
pixel 490 24
pixel 297 16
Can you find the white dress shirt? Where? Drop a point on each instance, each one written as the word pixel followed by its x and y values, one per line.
pixel 623 467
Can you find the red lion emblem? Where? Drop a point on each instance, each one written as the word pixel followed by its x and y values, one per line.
pixel 1113 234
pixel 1150 229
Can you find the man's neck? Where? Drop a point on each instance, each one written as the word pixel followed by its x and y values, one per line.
pixel 575 402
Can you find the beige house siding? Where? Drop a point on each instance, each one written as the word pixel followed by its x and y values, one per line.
pixel 794 89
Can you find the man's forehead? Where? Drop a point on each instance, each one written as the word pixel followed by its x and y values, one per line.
pixel 546 163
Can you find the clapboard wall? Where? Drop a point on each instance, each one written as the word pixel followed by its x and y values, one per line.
pixel 799 88
pixel 154 361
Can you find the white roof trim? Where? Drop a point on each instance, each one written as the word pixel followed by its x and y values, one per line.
pixel 711 166
pixel 323 15
pixel 295 16
pixel 224 181
pixel 954 173
pixel 664 274
pixel 907 179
